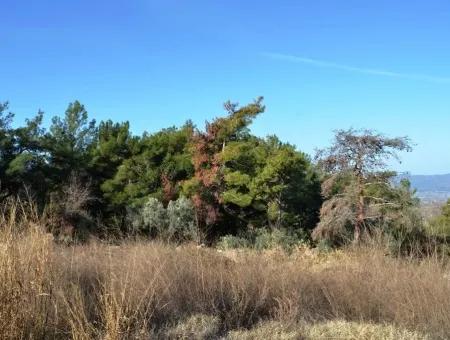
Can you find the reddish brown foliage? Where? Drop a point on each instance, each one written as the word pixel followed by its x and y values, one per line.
pixel 207 172
pixel 169 188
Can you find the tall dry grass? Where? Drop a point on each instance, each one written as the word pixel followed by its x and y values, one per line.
pixel 142 290
pixel 26 281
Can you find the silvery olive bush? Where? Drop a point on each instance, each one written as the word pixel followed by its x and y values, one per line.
pixel 181 218
pixel 176 223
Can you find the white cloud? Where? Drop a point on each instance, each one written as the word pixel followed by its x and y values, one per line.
pixel 371 71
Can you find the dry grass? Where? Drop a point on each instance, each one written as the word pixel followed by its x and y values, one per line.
pixel 197 327
pixel 142 290
pixel 337 329
pixel 359 331
pixel 268 330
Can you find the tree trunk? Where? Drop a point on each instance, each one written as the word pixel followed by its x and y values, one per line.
pixel 359 225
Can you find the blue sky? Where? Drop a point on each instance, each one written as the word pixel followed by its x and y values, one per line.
pixel 321 65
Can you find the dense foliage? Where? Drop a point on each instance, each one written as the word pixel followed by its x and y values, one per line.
pixel 103 179
pixel 187 183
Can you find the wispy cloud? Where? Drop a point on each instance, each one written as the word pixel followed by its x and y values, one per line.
pixel 364 70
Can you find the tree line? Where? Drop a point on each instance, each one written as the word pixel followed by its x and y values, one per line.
pixel 218 179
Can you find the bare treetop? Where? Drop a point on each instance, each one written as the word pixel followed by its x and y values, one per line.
pixel 362 151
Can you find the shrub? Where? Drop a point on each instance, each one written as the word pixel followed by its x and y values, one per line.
pixel 176 223
pixel 263 239
pixel 181 220
pixel 278 238
pixel 154 216
pixel 324 246
pixel 67 214
pixel 232 242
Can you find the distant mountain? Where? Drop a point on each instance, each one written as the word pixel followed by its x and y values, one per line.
pixel 429 187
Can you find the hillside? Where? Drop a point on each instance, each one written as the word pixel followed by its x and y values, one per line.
pixel 430 187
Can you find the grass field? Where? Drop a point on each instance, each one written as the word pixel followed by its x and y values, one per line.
pixel 142 290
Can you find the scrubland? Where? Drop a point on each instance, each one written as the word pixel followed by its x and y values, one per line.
pixel 138 289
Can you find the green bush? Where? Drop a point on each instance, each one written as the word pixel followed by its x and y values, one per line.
pixel 181 220
pixel 233 242
pixel 264 238
pixel 324 246
pixel 278 238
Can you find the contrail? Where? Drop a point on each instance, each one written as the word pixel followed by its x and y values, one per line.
pixel 376 72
